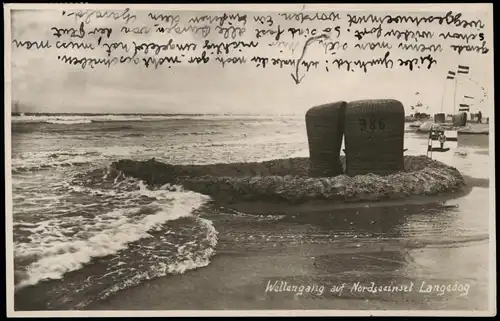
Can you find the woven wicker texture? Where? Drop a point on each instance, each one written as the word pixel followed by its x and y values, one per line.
pixel 439 118
pixel 374 137
pixel 325 130
pixel 459 119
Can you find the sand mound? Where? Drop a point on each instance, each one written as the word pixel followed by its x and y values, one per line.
pixel 287 180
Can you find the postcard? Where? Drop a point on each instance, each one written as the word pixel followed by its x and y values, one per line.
pixel 249 159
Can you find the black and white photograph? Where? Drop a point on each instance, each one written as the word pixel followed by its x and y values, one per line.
pixel 249 159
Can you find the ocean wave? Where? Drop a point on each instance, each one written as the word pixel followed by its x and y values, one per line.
pixel 26 162
pixel 67 121
pixel 81 119
pixel 198 133
pixel 62 119
pixel 115 129
pixel 181 245
pixel 188 259
pixel 64 244
pixel 38 167
pixel 30 162
pixel 73 153
pixel 133 135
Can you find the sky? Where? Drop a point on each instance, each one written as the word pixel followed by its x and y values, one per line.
pixel 41 83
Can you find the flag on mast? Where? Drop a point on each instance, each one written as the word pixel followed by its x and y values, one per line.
pixel 463 70
pixel 463 107
pixel 451 75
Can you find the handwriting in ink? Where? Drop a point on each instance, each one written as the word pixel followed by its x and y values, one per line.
pixel 72 32
pixel 420 47
pixel 128 59
pixel 411 63
pixel 260 61
pixel 359 34
pixel 74 45
pixel 369 32
pixel 466 37
pixel 201 59
pixel 231 60
pixel 88 15
pixel 289 62
pixel 328 30
pixel 223 47
pixel 301 17
pixel 264 20
pixel 156 61
pixel 284 44
pixel 409 34
pixel 204 30
pixel 306 32
pixel 373 45
pixel 85 61
pixel 309 41
pixel 272 61
pixel 116 45
pixel 448 19
pixel 259 33
pixel 221 19
pixel 479 49
pixel 168 18
pixel 102 31
pixel 332 47
pixel 135 30
pixel 386 62
pixel 309 64
pixel 157 48
pixel 32 44
pixel 230 32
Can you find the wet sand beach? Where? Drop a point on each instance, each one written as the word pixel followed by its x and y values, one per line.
pixel 410 245
pixel 144 249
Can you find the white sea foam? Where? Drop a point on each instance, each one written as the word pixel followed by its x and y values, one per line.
pixel 188 262
pixel 32 161
pixel 68 121
pixel 56 253
pixel 80 119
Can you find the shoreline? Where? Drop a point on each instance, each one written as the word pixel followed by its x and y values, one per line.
pixel 239 274
pixel 287 181
pixel 244 288
pixel 266 208
pixel 328 248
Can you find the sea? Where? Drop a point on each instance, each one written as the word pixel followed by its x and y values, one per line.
pixel 83 233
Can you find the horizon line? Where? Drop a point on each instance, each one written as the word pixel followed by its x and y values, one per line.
pixel 152 113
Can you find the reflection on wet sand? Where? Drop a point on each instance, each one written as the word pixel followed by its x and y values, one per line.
pixel 474 141
pixel 373 252
pixel 439 250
